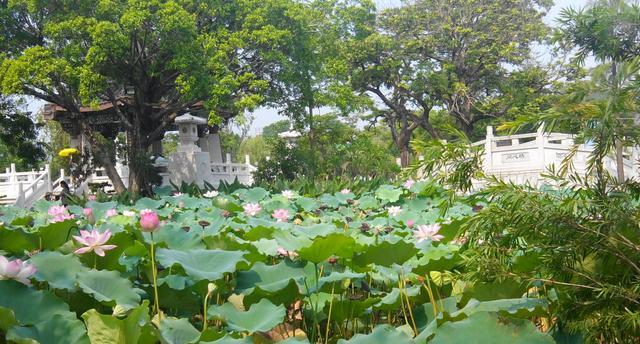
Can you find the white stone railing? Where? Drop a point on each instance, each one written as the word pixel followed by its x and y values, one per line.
pixel 229 171
pixel 524 158
pixel 220 171
pixel 24 188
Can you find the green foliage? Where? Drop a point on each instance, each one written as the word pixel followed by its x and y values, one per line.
pixel 18 137
pixel 334 149
pixel 345 261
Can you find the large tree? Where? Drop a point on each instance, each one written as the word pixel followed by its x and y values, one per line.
pixel 610 32
pixel 451 54
pixel 151 59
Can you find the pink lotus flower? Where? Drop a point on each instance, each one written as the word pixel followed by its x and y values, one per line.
pixel 288 194
pixel 291 254
pixel 94 241
pixel 409 183
pixel 149 220
pixel 111 212
pixel 430 232
pixel 252 209
pixel 16 270
pixel 59 213
pixel 345 191
pixel 281 215
pixel 410 223
pixel 92 197
pixel 64 217
pixel 394 211
pixel 57 210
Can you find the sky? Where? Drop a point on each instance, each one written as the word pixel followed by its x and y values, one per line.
pixel 265 116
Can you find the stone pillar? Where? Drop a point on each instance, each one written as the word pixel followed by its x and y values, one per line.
pixel 540 143
pixel 210 143
pixel 189 164
pixel 488 149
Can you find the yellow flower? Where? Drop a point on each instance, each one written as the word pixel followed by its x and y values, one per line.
pixel 68 152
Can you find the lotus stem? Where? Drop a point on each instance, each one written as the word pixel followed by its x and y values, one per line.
pixel 413 321
pixel 326 335
pixel 154 275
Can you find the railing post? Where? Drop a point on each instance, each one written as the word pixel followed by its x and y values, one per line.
pixel 228 157
pixel 540 144
pixel 247 159
pixel 47 170
pixel 20 196
pixel 13 178
pixel 488 148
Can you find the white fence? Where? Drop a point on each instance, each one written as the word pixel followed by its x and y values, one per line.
pixel 524 158
pixel 24 188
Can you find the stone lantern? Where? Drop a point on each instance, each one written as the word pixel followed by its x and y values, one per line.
pixel 290 136
pixel 189 164
pixel 188 132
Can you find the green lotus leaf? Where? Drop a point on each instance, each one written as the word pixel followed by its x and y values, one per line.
pixel 258 232
pixel 337 276
pixel 522 308
pixel 262 316
pixel 108 286
pixel 148 203
pixel 424 313
pixel 107 329
pixel 31 306
pixel 307 204
pixel 55 330
pixel 321 229
pixel 202 264
pixel 178 331
pixel 334 244
pixel 279 283
pixel 484 327
pixel 291 242
pixel 254 195
pixel 388 193
pixel 368 202
pixel 7 319
pixel 55 234
pixel 330 201
pixel 342 310
pixel 436 258
pixel 392 300
pixel 16 240
pixel 386 253
pixel 57 269
pixel 383 334
pixel 230 340
pixel 178 239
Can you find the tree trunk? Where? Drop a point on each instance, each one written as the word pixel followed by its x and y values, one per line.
pixel 137 160
pixel 619 161
pixel 403 145
pixel 103 157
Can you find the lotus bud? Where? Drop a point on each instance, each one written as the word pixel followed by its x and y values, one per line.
pixel 88 213
pixel 211 287
pixel 149 221
pixel 119 311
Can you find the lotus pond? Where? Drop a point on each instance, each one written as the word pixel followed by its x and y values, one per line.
pixel 253 267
